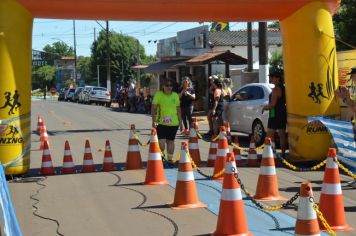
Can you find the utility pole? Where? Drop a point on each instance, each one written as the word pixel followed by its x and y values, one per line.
pixel 75 55
pixel 263 52
pixel 122 71
pixel 138 60
pixel 249 47
pixel 108 79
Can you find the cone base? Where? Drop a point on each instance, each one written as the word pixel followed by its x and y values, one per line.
pixel 111 167
pixel 269 198
pixel 211 163
pixel 68 171
pixel 219 234
pixel 47 172
pixel 164 182
pixel 88 170
pixel 345 227
pixel 187 206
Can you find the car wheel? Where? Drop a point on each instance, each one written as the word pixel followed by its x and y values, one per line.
pixel 258 132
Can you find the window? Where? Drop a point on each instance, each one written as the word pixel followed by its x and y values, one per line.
pixel 256 93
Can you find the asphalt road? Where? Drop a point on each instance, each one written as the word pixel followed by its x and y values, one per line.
pixel 116 203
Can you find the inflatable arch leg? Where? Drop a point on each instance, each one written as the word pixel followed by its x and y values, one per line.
pixel 15 89
pixel 311 79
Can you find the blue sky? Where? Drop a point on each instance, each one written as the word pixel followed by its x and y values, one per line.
pixel 48 31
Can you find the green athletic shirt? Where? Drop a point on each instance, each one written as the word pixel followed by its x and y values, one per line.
pixel 167 108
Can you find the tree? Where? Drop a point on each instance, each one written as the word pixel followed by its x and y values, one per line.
pixel 59 48
pixel 44 76
pixel 274 25
pixel 123 55
pixel 276 62
pixel 345 25
pixel 84 66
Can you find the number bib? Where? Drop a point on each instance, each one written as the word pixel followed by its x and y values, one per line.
pixel 167 120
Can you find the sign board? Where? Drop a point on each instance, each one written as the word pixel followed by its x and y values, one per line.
pixel 42 62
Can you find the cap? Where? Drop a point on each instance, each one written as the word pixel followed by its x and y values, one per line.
pixel 213 77
pixel 353 71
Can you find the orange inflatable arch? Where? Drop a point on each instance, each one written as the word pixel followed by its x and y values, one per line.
pixel 308 48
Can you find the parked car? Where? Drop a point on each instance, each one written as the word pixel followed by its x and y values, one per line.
pixel 99 95
pixel 244 111
pixel 75 97
pixel 62 94
pixel 69 94
pixel 82 94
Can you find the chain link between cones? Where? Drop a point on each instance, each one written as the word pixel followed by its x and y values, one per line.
pixel 195 167
pixel 139 142
pixel 296 168
pixel 347 171
pixel 259 205
pixel 321 217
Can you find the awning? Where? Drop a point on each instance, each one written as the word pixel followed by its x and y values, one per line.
pixel 139 67
pixel 161 66
pixel 225 56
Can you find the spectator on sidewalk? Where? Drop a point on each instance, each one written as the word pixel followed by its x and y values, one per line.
pixel 187 96
pixel 131 95
pixel 346 97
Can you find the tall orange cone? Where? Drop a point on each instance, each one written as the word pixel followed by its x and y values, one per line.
pixel 193 145
pixel 212 152
pixel 307 221
pixel 231 218
pixel 47 165
pixel 43 136
pixel 223 149
pixel 39 123
pixel 237 152
pixel 252 154
pixel 185 195
pixel 331 199
pixel 108 163
pixel 154 174
pixel 133 157
pixel 88 162
pixel 267 185
pixel 68 165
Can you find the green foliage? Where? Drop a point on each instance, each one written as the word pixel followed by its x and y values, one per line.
pixel 345 25
pixel 59 48
pixel 69 83
pixel 276 62
pixel 43 76
pixel 84 66
pixel 123 54
pixel 274 25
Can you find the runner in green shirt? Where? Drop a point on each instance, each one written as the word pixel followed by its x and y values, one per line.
pixel 166 116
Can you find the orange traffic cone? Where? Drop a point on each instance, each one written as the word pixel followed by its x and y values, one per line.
pixel 193 145
pixel 43 136
pixel 68 165
pixel 212 152
pixel 108 164
pixel 267 185
pixel 88 162
pixel 185 195
pixel 154 174
pixel 307 222
pixel 231 218
pixel 331 200
pixel 223 149
pixel 237 152
pixel 228 131
pixel 252 154
pixel 39 124
pixel 47 166
pixel 133 157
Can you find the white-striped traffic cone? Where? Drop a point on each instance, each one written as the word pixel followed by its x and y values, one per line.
pixel 212 152
pixel 223 149
pixel 194 145
pixel 68 165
